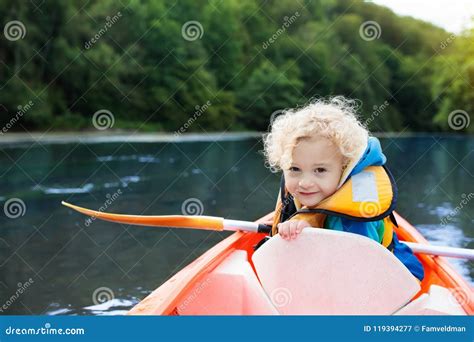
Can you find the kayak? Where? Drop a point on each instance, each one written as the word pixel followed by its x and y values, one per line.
pixel 233 279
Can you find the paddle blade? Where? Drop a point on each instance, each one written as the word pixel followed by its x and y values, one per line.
pixel 342 277
pixel 175 221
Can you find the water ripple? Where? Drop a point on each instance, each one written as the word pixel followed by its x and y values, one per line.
pixel 86 188
pixel 145 158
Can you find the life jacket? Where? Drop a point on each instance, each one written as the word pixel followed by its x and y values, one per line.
pixel 369 195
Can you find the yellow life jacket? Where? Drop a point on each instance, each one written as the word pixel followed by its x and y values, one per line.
pixel 369 195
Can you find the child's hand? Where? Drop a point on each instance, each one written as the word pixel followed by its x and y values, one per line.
pixel 289 230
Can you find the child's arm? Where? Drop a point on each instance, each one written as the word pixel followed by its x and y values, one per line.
pixel 289 230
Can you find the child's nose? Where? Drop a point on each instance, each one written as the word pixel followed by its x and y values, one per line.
pixel 306 183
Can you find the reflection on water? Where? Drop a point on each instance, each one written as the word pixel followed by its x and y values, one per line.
pixel 449 235
pixel 69 259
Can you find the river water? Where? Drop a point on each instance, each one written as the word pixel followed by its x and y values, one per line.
pixel 64 264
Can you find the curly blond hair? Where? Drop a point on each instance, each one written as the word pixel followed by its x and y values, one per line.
pixel 334 118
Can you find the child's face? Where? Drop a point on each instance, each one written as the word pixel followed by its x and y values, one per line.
pixel 315 171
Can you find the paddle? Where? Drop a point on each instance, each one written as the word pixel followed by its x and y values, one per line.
pixel 220 224
pixel 452 252
pixel 176 221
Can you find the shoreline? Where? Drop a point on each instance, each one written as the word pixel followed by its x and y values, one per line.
pixel 121 136
pixel 131 136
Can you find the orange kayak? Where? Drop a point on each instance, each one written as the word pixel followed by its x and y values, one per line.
pixel 443 290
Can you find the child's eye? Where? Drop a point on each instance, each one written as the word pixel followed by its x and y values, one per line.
pixel 294 169
pixel 320 170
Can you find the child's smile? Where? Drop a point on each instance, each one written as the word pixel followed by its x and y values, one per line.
pixel 315 171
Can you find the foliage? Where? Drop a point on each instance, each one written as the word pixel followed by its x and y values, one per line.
pixel 254 57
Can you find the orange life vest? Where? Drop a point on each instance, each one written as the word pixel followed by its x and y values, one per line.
pixel 369 195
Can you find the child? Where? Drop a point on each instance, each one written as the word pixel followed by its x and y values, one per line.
pixel 333 176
